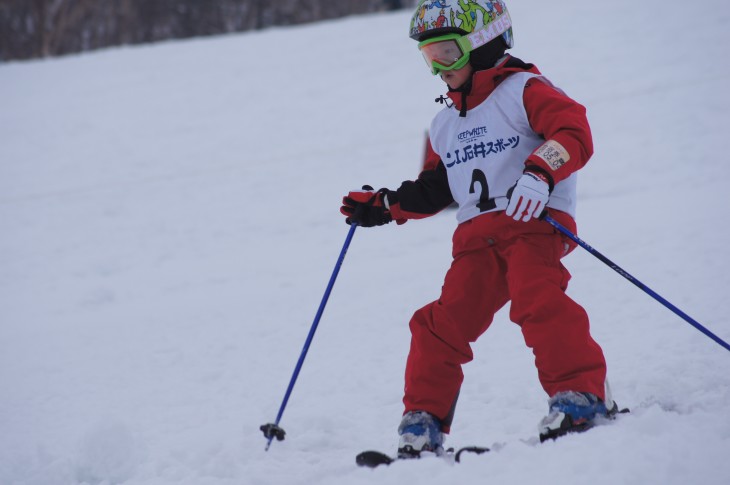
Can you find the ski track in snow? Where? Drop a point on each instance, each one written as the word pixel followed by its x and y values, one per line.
pixel 170 221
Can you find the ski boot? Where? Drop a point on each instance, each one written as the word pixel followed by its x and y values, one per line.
pixel 419 431
pixel 572 412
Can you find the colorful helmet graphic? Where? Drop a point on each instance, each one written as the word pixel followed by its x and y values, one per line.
pixel 479 20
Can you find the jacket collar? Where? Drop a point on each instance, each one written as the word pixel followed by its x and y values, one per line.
pixel 483 83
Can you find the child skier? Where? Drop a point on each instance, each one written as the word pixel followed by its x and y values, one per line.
pixel 505 148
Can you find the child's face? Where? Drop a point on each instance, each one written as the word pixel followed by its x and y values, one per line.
pixel 457 77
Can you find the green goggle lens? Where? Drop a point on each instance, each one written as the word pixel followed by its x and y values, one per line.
pixel 446 52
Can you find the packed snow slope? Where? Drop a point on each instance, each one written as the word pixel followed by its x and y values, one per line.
pixel 169 220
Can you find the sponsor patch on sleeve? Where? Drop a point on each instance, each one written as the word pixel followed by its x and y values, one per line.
pixel 554 154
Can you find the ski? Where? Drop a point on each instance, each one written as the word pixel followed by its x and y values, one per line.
pixel 374 459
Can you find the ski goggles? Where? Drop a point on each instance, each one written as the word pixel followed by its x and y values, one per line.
pixel 451 51
pixel 446 52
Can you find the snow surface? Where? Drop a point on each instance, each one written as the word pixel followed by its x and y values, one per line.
pixel 169 220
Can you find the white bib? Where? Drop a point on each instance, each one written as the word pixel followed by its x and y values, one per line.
pixel 485 151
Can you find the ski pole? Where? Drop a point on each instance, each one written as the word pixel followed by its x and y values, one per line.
pixel 273 430
pixel 636 282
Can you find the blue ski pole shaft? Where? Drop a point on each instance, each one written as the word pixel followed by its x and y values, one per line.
pixel 272 431
pixel 636 282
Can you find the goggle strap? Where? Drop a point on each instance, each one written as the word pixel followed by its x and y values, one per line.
pixel 497 27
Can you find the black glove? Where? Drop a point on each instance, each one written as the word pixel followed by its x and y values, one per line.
pixel 366 208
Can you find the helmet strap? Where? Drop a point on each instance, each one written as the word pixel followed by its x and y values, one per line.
pixel 465 90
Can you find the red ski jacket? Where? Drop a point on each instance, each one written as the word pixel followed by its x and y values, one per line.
pixel 551 113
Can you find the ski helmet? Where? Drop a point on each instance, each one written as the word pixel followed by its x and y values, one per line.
pixel 439 17
pixel 469 24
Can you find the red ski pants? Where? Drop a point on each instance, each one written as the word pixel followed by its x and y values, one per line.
pixel 496 260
